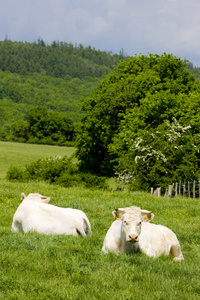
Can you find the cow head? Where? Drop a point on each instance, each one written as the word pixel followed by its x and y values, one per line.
pixel 35 197
pixel 132 218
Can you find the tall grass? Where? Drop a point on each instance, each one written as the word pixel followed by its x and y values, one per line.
pixel 21 154
pixel 33 266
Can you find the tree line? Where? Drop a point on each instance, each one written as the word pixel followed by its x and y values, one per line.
pixel 58 59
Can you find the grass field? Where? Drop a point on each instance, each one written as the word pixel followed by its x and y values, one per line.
pixel 33 266
pixel 22 154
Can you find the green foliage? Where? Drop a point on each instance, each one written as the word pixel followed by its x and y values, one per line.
pixel 55 94
pixel 57 60
pixel 91 181
pixel 19 131
pixel 85 179
pixel 53 76
pixel 47 169
pixel 20 154
pixel 16 173
pixel 43 127
pixel 35 266
pixel 50 168
pixel 57 170
pixel 136 101
pixel 192 69
pixel 69 180
pixel 158 157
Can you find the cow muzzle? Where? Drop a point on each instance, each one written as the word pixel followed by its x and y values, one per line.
pixel 132 238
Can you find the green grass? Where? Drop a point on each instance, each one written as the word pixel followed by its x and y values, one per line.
pixel 21 154
pixel 33 266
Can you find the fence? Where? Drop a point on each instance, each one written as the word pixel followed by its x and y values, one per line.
pixel 185 189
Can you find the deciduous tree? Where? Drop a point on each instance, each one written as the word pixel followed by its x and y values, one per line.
pixel 136 101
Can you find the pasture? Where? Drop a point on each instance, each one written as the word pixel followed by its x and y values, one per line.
pixel 21 154
pixel 33 266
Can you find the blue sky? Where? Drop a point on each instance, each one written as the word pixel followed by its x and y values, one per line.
pixel 156 26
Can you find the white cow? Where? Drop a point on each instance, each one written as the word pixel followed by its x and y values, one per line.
pixel 33 214
pixel 132 232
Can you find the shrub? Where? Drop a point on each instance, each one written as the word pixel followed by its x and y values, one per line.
pixel 56 170
pixel 51 168
pixel 16 173
pixel 91 180
pixel 68 180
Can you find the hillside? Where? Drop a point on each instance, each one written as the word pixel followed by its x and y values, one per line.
pixel 57 60
pixel 56 77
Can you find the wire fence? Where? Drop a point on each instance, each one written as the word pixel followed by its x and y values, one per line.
pixel 185 189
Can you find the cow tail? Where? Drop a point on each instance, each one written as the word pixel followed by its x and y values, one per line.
pixel 84 228
pixel 87 227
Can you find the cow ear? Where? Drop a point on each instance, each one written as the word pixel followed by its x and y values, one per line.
pixel 147 215
pixel 23 196
pixel 46 199
pixel 117 213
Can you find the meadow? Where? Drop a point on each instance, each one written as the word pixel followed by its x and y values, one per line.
pixel 33 266
pixel 20 154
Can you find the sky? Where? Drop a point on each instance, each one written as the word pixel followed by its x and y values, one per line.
pixel 131 26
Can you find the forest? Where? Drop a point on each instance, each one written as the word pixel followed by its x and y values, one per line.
pixel 54 77
pixel 57 60
pixel 134 117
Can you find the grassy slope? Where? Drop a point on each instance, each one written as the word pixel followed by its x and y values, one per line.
pixel 22 154
pixel 33 266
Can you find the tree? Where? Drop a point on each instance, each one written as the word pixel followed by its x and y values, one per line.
pixel 19 131
pixel 158 156
pixel 49 127
pixel 141 94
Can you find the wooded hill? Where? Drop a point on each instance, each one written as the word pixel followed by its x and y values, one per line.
pixel 58 60
pixel 53 76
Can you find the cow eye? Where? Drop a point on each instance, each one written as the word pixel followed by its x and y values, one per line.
pixel 139 223
pixel 125 222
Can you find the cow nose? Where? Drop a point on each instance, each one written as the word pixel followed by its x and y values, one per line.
pixel 133 237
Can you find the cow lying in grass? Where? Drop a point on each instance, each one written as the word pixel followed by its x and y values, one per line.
pixel 131 231
pixel 35 214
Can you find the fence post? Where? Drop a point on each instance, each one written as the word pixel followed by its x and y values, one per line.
pixel 176 189
pixel 184 189
pixel 194 189
pixel 170 189
pixel 188 189
pixel 179 188
pixel 199 189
